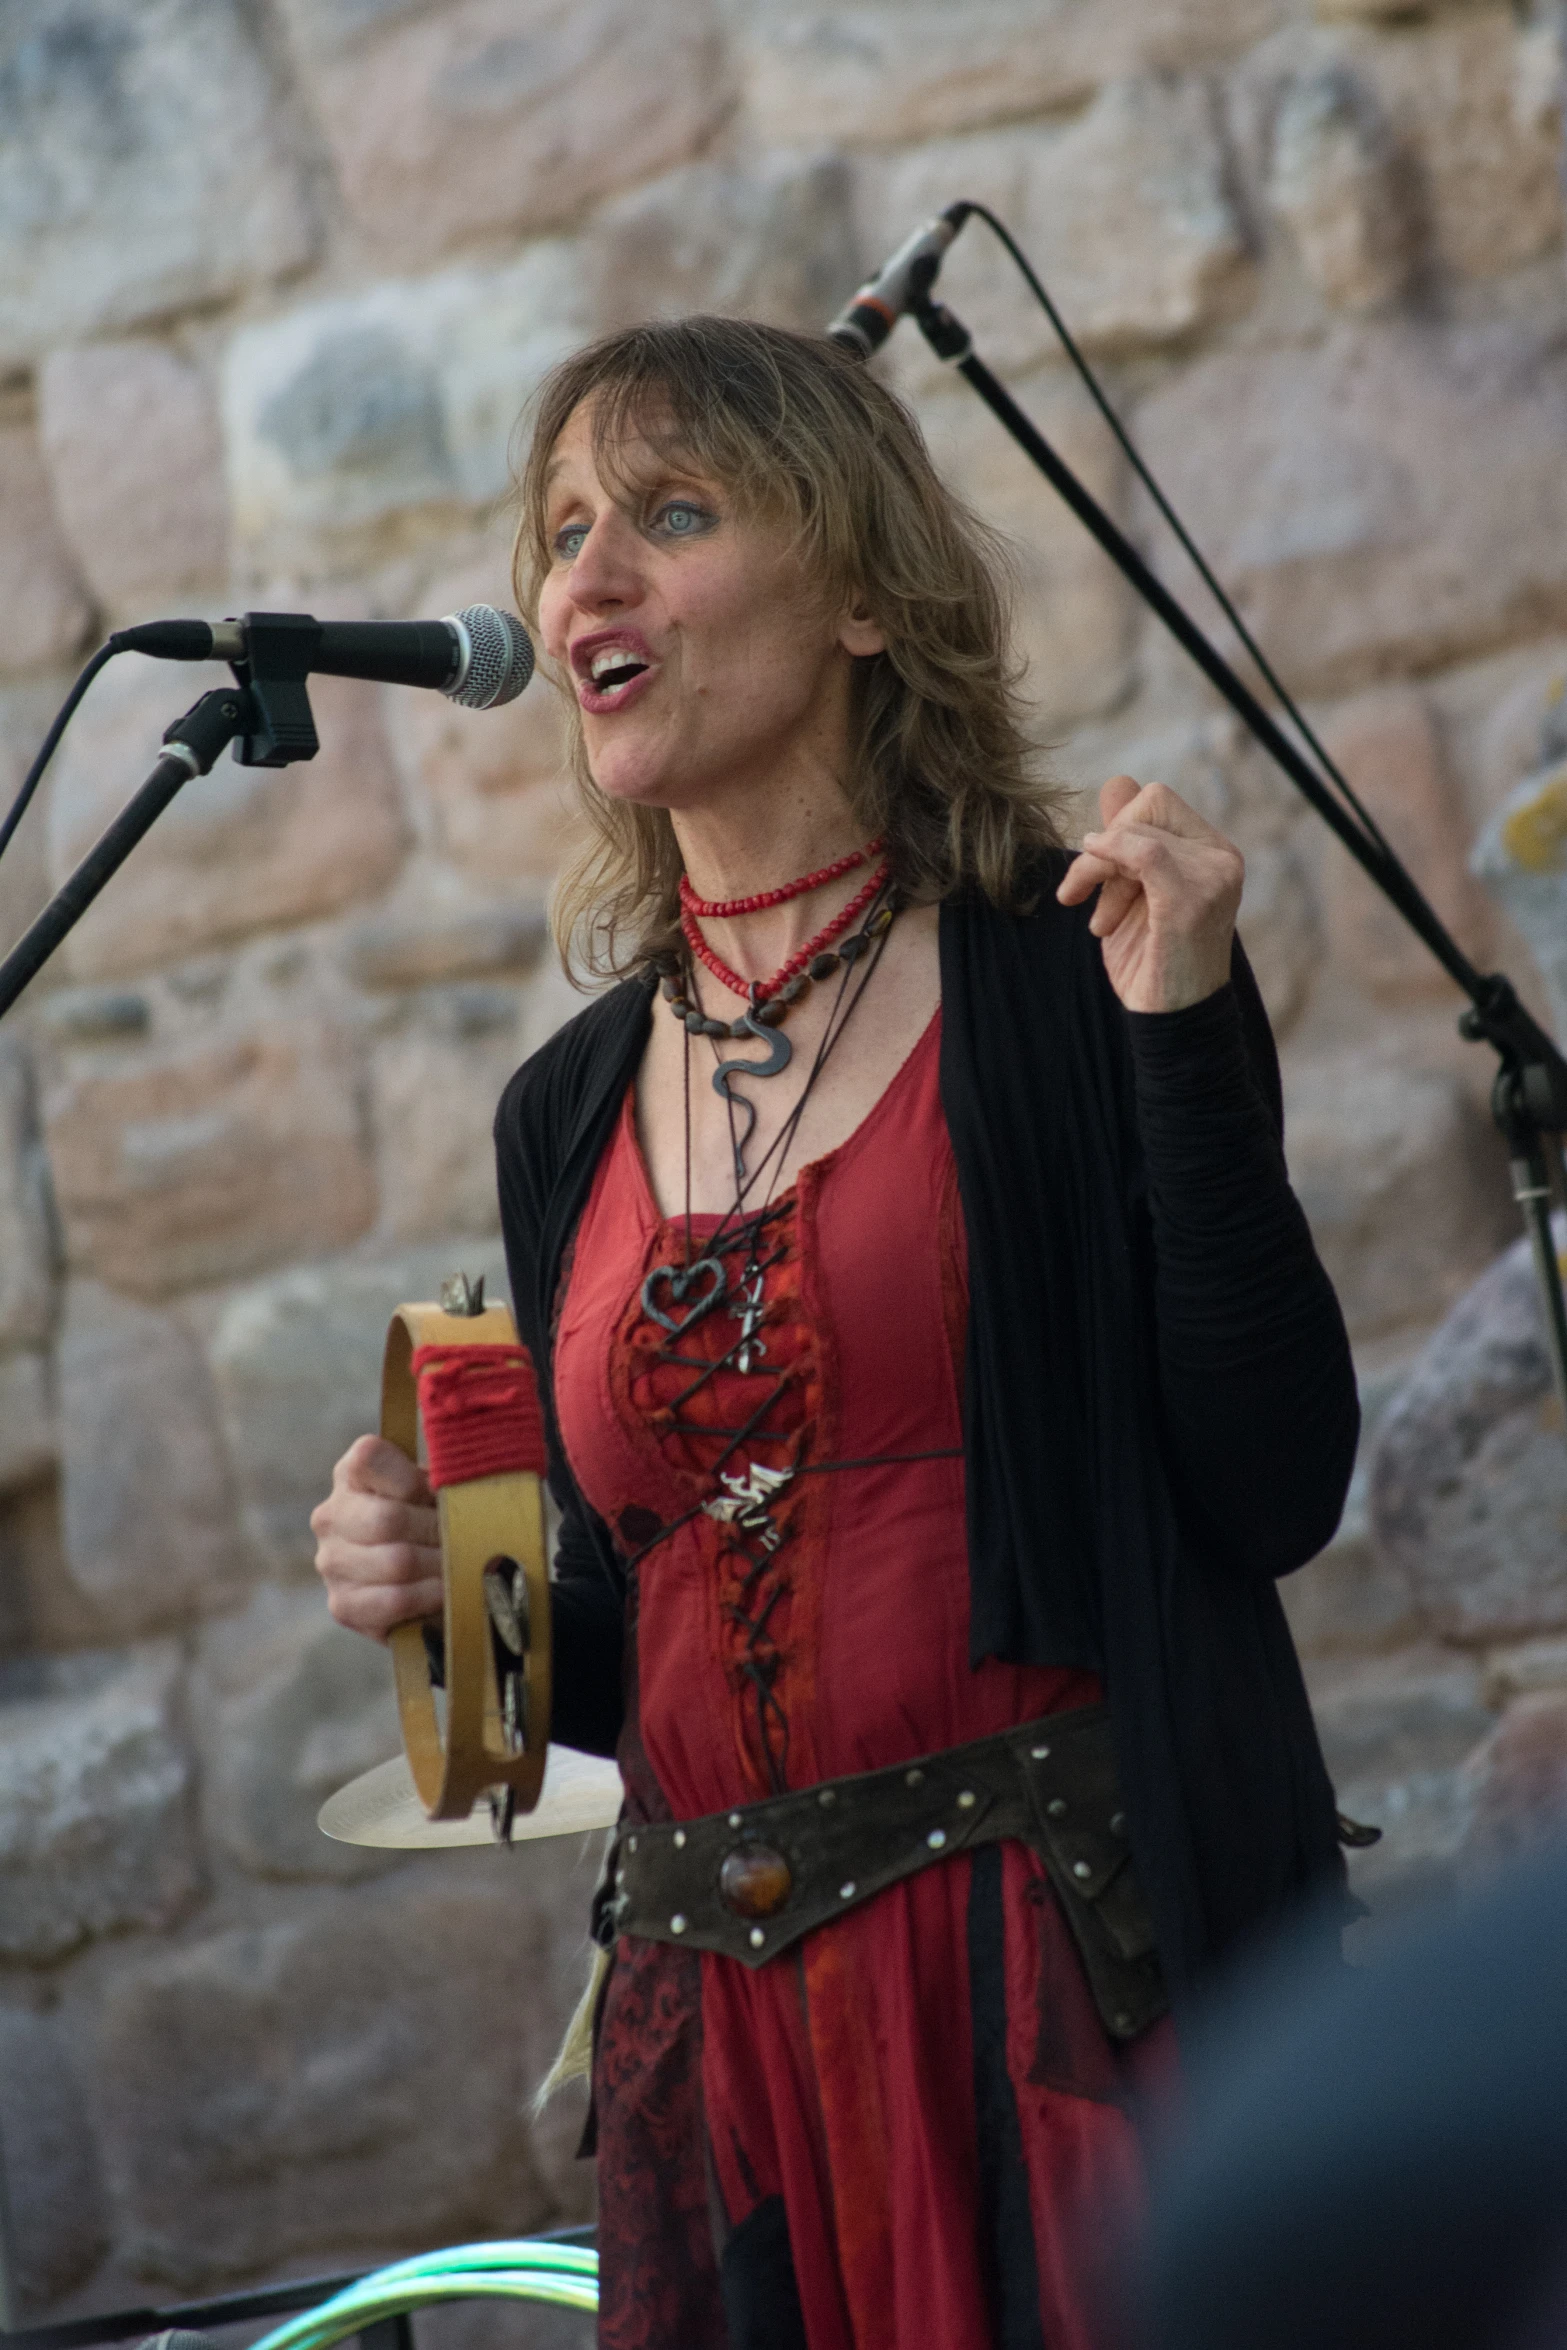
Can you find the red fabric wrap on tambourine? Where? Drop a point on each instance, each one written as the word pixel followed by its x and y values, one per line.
pixel 479 1406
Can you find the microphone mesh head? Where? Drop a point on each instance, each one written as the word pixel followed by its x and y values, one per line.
pixel 500 658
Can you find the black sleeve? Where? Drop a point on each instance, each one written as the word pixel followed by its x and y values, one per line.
pixel 587 1623
pixel 1256 1379
pixel 588 1591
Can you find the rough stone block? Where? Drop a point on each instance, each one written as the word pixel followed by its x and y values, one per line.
pixel 1431 142
pixel 1387 745
pixel 1507 714
pixel 1074 615
pixel 1124 211
pixel 888 74
pixel 1381 1719
pixel 417 944
pixel 1349 1601
pixel 347 420
pixel 26 708
pixel 202 1163
pixel 130 436
pixel 358 2072
pixel 94 1799
pixel 298 1365
pixel 1336 179
pixel 94 1015
pixel 44 610
pixel 1280 930
pixel 1352 1599
pixel 289 1707
pixel 1475 101
pixel 1469 1472
pixel 433 1105
pixel 1402 1180
pixel 239 850
pixel 145 164
pixel 59 2221
pixel 1308 478
pixel 1396 1732
pixel 773 242
pixel 27 1426
pixel 1517 1784
pixel 489 789
pixel 464 117
pixel 28 1246
pixel 1524 1671
pixel 149 1515
pixel 1521 856
pixel 495 782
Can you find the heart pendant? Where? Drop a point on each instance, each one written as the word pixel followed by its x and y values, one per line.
pixel 678 1281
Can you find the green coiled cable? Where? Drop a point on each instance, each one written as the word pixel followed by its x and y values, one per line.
pixel 524 2269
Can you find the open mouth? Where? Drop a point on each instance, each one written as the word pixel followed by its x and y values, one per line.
pixel 613 668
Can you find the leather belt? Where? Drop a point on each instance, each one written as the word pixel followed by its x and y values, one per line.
pixel 749 1883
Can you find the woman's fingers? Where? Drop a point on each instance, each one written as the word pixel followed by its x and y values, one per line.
pixel 367 1519
pixel 1146 853
pixel 373 1464
pixel 1083 876
pixel 378 1542
pixel 1119 793
pixel 372 1585
pixel 1168 890
pixel 377 1608
pixel 1117 897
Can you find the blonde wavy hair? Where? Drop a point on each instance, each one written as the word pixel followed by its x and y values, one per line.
pixel 797 431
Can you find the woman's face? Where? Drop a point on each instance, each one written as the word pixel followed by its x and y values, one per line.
pixel 702 664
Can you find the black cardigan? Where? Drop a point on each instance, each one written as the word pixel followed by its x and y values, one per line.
pixel 1159 1407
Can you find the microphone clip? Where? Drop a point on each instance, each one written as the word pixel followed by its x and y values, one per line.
pixel 279 648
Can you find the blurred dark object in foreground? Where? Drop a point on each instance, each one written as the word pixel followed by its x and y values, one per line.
pixel 1376 2159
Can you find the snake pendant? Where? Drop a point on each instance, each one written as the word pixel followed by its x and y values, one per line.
pixel 780 1052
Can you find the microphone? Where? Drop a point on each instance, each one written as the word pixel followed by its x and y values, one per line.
pixel 478 657
pixel 865 322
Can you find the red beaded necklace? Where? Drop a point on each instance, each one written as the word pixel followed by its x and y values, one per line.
pixel 758 991
pixel 725 909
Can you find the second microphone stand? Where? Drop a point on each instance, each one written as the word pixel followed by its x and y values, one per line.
pixel 1529 1095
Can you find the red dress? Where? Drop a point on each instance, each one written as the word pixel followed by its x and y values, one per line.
pixel 913 2123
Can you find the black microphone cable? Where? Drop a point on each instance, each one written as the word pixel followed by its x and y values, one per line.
pixel 51 741
pixel 1204 570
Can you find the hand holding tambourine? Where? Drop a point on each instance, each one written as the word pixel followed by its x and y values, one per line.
pixel 456 1373
pixel 456 1538
pixel 458 1388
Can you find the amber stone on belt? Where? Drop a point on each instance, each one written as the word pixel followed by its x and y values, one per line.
pixel 754 1881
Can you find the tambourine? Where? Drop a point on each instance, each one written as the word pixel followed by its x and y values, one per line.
pixel 456 1373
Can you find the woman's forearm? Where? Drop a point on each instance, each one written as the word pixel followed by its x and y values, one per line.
pixel 1255 1375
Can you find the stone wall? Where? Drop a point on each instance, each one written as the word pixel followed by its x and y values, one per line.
pixel 275 277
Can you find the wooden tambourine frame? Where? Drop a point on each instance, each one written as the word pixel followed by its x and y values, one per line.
pixel 483 1524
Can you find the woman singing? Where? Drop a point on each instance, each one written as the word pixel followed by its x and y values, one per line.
pixel 937 1372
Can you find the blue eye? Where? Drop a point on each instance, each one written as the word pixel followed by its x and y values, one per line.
pixel 681 518
pixel 568 542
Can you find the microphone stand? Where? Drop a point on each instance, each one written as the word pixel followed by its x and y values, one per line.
pixel 1529 1094
pixel 267 711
